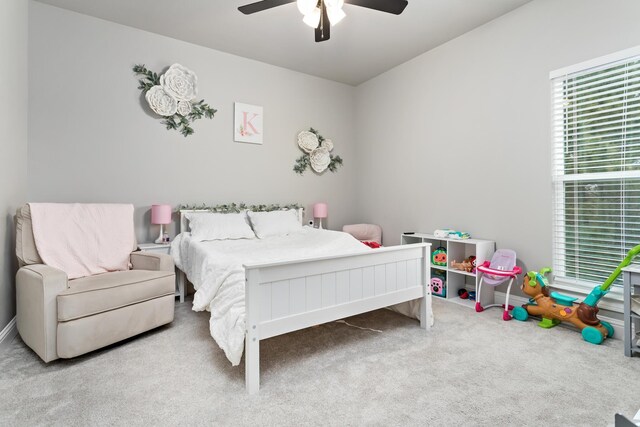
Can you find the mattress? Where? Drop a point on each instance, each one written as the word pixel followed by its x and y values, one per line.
pixel 215 268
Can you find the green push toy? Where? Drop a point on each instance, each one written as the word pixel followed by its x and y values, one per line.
pixel 554 307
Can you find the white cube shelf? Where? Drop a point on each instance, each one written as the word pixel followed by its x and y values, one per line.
pixel 458 250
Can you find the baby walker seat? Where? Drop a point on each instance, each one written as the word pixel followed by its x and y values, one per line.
pixel 501 268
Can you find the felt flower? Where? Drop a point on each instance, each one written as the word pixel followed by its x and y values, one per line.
pixel 184 108
pixel 161 102
pixel 307 141
pixel 320 159
pixel 243 132
pixel 328 144
pixel 180 82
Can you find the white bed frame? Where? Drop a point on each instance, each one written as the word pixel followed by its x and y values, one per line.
pixel 290 295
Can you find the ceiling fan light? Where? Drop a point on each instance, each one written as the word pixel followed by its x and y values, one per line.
pixel 335 15
pixel 306 6
pixel 334 3
pixel 312 19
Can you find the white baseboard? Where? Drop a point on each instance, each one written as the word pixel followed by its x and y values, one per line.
pixel 516 300
pixel 8 334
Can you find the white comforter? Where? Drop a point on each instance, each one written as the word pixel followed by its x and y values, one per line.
pixel 216 270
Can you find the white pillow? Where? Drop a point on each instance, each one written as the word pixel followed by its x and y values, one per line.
pixel 219 226
pixel 276 223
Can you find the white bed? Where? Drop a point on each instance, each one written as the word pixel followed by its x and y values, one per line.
pixel 260 288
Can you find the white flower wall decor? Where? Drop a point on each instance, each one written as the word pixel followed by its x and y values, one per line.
pixel 317 153
pixel 173 96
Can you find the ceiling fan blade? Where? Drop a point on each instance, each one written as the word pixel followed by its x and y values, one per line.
pixel 390 6
pixel 323 32
pixel 259 6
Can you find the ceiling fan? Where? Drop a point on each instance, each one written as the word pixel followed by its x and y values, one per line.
pixel 322 14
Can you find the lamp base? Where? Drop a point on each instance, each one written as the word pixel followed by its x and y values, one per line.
pixel 160 238
pixel 319 223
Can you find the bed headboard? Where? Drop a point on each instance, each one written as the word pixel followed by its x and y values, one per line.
pixel 184 222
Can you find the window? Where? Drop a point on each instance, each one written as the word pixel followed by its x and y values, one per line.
pixel 596 167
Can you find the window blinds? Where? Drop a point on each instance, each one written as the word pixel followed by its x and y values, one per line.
pixel 596 169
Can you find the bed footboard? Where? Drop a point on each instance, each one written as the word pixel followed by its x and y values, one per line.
pixel 287 296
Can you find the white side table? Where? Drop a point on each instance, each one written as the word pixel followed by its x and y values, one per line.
pixel 164 248
pixel 631 315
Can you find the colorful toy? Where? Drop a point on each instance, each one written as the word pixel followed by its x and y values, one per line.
pixel 439 257
pixel 459 235
pixel 464 294
pixel 555 308
pixel 442 233
pixel 468 265
pixel 438 284
pixel 447 233
pixel 501 268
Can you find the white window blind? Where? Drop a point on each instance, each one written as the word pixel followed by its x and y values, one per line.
pixel 596 168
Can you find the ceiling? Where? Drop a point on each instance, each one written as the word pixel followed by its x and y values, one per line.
pixel 366 43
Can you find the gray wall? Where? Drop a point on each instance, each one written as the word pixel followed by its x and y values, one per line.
pixel 90 139
pixel 13 140
pixel 445 134
pixel 434 137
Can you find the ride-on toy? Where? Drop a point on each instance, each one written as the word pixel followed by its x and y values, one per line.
pixel 555 308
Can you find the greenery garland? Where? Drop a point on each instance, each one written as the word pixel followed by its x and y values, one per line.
pixel 177 121
pixel 239 207
pixel 304 161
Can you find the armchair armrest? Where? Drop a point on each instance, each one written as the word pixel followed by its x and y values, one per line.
pixel 151 261
pixel 37 286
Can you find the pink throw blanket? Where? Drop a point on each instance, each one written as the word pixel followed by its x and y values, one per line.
pixel 83 239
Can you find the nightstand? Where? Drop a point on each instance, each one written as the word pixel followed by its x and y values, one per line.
pixel 164 248
pixel 631 310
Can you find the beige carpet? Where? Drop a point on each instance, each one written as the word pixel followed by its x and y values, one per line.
pixel 471 369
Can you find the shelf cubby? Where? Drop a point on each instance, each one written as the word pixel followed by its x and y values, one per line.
pixel 458 250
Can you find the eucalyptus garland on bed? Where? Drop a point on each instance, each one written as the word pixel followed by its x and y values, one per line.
pixel 316 153
pixel 172 95
pixel 239 207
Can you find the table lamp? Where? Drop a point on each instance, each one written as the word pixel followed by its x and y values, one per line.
pixel 161 214
pixel 320 211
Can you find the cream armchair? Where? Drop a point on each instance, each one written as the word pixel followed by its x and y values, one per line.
pixel 61 318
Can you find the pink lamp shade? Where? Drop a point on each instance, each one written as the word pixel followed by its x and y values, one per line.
pixel 320 210
pixel 161 214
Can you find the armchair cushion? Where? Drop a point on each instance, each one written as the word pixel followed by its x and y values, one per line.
pixel 103 292
pixel 151 261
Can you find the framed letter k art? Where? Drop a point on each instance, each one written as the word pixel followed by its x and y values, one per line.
pixel 247 124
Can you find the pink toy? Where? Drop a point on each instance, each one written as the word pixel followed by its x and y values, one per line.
pixel 365 232
pixel 501 268
pixel 439 285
